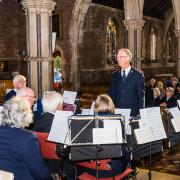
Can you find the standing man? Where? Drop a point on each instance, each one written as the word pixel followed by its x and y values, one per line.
pixel 127 85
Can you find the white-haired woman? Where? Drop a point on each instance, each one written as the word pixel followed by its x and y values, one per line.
pixel 19 148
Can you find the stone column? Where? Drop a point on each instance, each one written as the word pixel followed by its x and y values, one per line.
pixel 39 48
pixel 177 31
pixel 134 22
pixel 134 28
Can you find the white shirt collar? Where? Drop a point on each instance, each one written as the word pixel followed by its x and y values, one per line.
pixel 127 70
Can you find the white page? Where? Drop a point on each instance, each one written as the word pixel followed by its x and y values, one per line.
pixel 153 118
pixel 113 124
pixel 126 114
pixel 144 135
pixel 60 127
pixel 175 112
pixel 106 136
pixel 69 97
pixel 85 111
pixel 176 123
pixel 91 112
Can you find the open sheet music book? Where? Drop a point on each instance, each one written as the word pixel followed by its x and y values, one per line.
pixel 60 128
pixel 175 112
pixel 151 118
pixel 178 101
pixel 69 97
pixel 176 123
pixel 144 135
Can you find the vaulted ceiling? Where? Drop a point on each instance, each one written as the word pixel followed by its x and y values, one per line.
pixel 152 8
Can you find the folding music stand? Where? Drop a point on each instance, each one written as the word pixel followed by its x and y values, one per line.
pixel 82 147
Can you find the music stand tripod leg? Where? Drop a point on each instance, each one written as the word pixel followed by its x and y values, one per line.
pixel 98 150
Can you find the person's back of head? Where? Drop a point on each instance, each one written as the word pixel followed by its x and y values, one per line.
pixel 26 93
pixel 16 113
pixel 52 101
pixel 104 104
pixel 19 81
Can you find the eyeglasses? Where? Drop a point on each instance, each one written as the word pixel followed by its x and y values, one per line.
pixel 121 56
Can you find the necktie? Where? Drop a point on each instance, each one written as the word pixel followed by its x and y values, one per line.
pixel 124 76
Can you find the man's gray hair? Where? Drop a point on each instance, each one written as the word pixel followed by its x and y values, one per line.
pixel 51 101
pixel 16 113
pixel 18 78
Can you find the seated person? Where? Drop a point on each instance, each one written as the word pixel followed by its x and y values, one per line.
pixel 105 106
pixel 19 82
pixel 28 94
pixel 169 100
pixel 51 102
pixel 157 99
pixel 19 148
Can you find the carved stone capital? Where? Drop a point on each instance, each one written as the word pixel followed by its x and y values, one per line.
pixel 134 24
pixel 39 6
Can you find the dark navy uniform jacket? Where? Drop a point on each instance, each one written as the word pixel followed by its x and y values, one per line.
pixel 130 93
pixel 20 154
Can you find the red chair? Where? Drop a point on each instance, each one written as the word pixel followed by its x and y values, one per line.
pixel 48 149
pixel 102 166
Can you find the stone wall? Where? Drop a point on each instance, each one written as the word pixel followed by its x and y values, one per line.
pixel 92 51
pixel 12 36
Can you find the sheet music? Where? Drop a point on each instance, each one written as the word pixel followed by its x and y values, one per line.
pixel 175 112
pixel 91 112
pixel 152 117
pixel 106 136
pixel 87 112
pixel 114 124
pixel 144 135
pixel 126 114
pixel 69 97
pixel 176 124
pixel 60 127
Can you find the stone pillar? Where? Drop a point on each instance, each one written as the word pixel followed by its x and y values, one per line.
pixel 134 28
pixel 176 6
pixel 39 48
pixel 133 22
pixel 178 54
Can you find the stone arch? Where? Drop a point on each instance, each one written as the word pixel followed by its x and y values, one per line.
pixel 76 33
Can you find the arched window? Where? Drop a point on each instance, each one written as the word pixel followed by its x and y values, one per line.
pixel 153 42
pixel 57 69
pixel 111 42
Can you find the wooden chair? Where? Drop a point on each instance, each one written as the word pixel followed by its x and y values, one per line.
pixel 4 175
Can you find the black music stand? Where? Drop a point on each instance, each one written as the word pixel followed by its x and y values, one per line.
pixel 82 147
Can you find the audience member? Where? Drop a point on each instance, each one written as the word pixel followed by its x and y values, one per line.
pixel 177 91
pixel 153 82
pixel 157 99
pixel 160 86
pixel 169 100
pixel 19 82
pixel 127 85
pixel 19 148
pixel 51 102
pixel 148 94
pixel 104 106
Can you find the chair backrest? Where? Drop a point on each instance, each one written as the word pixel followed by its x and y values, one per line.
pixel 4 175
pixel 48 149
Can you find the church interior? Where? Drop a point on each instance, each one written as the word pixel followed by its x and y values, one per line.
pixel 72 45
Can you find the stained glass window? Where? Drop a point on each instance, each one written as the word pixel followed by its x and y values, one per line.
pixel 153 41
pixel 111 42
